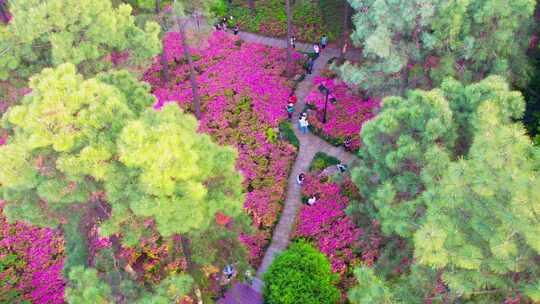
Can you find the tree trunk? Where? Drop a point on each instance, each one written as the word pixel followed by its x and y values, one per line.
pixel 164 67
pixel 192 78
pixel 251 4
pixel 186 248
pixel 289 34
pixel 3 12
pixel 345 30
pixel 158 6
pixel 404 79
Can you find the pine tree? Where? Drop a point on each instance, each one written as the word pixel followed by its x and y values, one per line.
pixel 477 228
pixel 48 33
pixel 481 227
pixel 395 37
pixel 474 39
pixel 403 147
pixel 418 43
pixel 74 138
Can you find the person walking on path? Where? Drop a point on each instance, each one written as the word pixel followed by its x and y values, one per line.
pixel 347 143
pixel 309 67
pixel 290 110
pixel 236 29
pixel 303 123
pixel 300 178
pixel 317 50
pixel 324 41
pixel 293 42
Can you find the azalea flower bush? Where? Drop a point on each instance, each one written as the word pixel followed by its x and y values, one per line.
pixel 328 227
pixel 244 93
pixel 345 117
pixel 31 263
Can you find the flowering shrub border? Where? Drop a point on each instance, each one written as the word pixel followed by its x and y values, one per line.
pixel 345 117
pixel 242 106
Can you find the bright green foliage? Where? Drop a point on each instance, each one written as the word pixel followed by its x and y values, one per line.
pixel 370 288
pixel 74 137
pixel 482 222
pixel 52 32
pixel 465 100
pixel 182 179
pixel 87 288
pixel 398 144
pixel 417 43
pixel 301 274
pixel 64 131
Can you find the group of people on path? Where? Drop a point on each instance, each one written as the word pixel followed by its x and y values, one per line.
pixel 303 122
pixel 224 23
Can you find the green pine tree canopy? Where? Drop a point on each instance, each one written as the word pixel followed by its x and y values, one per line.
pixel 74 138
pixel 83 32
pixel 452 170
pixel 418 43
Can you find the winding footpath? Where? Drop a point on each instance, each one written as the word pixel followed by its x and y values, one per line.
pixel 309 145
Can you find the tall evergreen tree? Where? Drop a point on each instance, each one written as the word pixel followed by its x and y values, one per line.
pixel 75 137
pixel 418 43
pixel 402 149
pixel 395 37
pixel 474 39
pixel 48 33
pixel 479 196
pixel 482 228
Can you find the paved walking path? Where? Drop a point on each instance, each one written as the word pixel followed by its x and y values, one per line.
pixel 309 145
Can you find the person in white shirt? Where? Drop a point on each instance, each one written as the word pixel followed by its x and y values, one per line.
pixel 303 124
pixel 312 200
pixel 317 50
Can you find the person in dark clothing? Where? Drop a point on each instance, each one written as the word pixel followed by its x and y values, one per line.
pixel 229 271
pixel 347 143
pixel 290 110
pixel 300 178
pixel 293 42
pixel 310 63
pixel 236 29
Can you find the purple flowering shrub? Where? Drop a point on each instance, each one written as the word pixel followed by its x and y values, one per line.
pixel 345 117
pixel 31 263
pixel 243 92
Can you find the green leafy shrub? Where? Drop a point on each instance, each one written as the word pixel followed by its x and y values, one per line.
pixel 321 161
pixel 301 274
pixel 286 129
